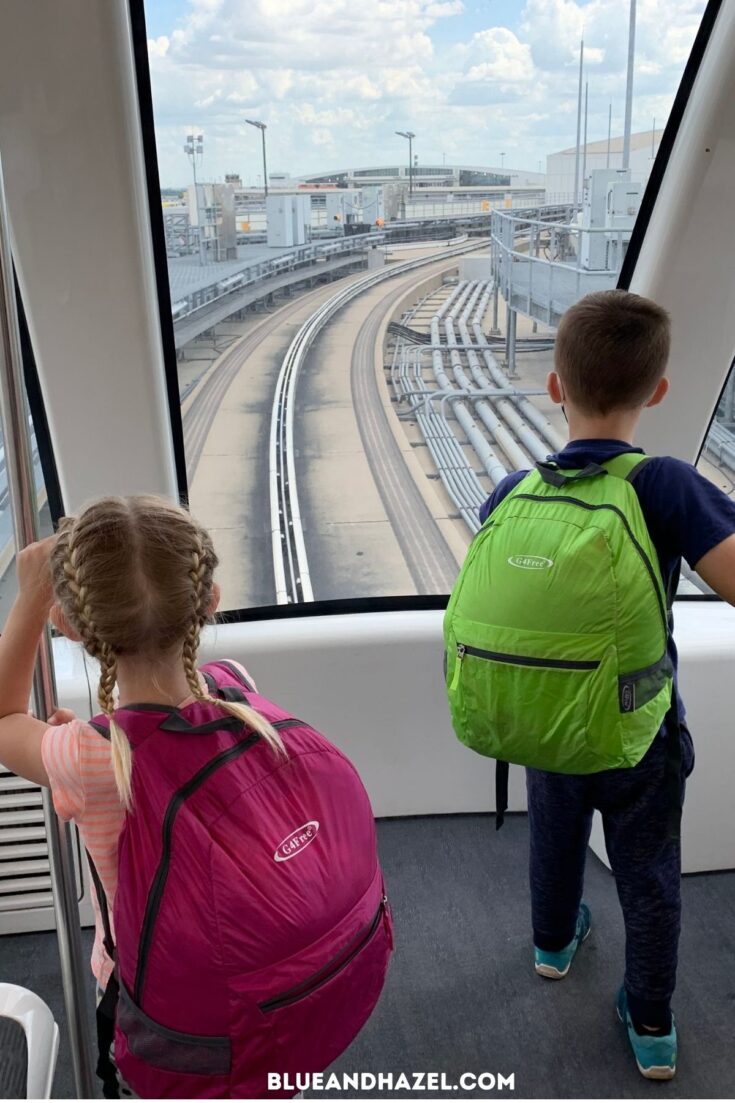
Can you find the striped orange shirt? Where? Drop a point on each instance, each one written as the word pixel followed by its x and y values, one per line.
pixel 78 761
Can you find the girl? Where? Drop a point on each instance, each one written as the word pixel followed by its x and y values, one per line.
pixel 209 779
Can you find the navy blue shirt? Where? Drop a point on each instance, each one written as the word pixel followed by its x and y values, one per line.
pixel 686 514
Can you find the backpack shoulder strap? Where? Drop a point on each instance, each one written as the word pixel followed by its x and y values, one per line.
pixel 101 725
pixel 108 941
pixel 627 466
pixel 231 672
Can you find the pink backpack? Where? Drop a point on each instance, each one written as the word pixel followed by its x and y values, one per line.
pixel 253 931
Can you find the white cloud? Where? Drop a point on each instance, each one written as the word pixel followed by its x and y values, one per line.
pixel 334 79
pixel 158 47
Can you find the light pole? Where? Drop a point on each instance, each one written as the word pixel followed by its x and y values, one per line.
pixel 262 128
pixel 629 87
pixel 195 148
pixel 410 135
pixel 502 159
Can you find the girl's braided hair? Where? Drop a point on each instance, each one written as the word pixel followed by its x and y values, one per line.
pixel 134 576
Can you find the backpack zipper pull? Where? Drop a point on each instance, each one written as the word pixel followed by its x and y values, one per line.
pixel 457 667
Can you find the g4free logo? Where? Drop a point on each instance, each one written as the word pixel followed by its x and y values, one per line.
pixel 296 842
pixel 531 562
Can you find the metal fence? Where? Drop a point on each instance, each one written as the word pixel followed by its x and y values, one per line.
pixel 543 261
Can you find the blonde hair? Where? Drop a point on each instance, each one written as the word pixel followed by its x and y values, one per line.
pixel 133 577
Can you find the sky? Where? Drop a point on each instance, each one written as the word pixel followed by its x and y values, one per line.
pixel 334 79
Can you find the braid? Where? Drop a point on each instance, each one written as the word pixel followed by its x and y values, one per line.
pixel 249 716
pixel 78 590
pixel 121 758
pixel 108 678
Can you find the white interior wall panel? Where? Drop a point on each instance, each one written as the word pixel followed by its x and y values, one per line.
pixel 373 684
pixel 686 260
pixel 72 155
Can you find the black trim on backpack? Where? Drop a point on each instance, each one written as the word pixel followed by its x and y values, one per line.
pixel 236 673
pixel 106 1013
pixel 637 689
pixel 225 693
pixel 502 770
pixel 158 884
pixel 672 726
pixel 177 801
pixel 103 728
pixel 211 684
pixel 172 1050
pixel 553 475
pixel 633 475
pixel 108 942
pixel 107 1007
pixel 176 722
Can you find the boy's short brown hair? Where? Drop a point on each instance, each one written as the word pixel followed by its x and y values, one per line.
pixel 611 350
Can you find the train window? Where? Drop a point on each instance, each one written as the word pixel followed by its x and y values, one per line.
pixel 364 315
pixel 717 459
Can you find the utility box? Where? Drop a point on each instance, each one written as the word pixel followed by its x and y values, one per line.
pixel 280 220
pixel 375 257
pixel 593 247
pixel 352 201
pixel 335 210
pixel 621 210
pixel 623 203
pixel 301 215
pixel 373 208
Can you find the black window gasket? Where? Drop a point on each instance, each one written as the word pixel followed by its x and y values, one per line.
pixel 158 238
pixel 671 130
pixel 37 408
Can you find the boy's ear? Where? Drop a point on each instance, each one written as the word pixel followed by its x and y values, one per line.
pixel 660 393
pixel 215 599
pixel 555 388
pixel 61 624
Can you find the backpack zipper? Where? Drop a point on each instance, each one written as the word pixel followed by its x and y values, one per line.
pixel 518 660
pixel 329 971
pixel 159 881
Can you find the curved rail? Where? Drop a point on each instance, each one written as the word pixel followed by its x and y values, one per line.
pixel 290 562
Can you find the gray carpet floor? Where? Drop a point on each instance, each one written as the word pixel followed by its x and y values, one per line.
pixel 462 995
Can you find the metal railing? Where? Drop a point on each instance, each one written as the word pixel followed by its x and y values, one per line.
pixel 301 256
pixel 543 264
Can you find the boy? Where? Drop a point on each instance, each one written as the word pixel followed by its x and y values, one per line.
pixel 610 357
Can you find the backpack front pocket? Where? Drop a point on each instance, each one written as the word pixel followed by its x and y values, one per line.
pixel 529 697
pixel 323 1013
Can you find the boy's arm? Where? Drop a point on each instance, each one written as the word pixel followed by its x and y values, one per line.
pixel 717 568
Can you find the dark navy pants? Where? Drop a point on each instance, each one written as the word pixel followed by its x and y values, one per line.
pixel 636 813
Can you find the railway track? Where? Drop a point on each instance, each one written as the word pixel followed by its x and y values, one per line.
pixel 427 555
pixel 206 398
pixel 290 561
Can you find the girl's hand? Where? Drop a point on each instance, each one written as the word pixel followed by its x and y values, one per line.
pixel 33 568
pixel 61 716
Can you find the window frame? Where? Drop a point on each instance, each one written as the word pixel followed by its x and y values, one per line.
pixel 387 603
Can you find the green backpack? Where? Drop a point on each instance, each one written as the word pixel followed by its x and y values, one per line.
pixel 556 631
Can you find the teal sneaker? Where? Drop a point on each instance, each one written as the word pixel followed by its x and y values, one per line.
pixel 655 1054
pixel 555 963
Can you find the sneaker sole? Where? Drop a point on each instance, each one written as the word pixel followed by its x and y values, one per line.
pixel 551 972
pixel 655 1072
